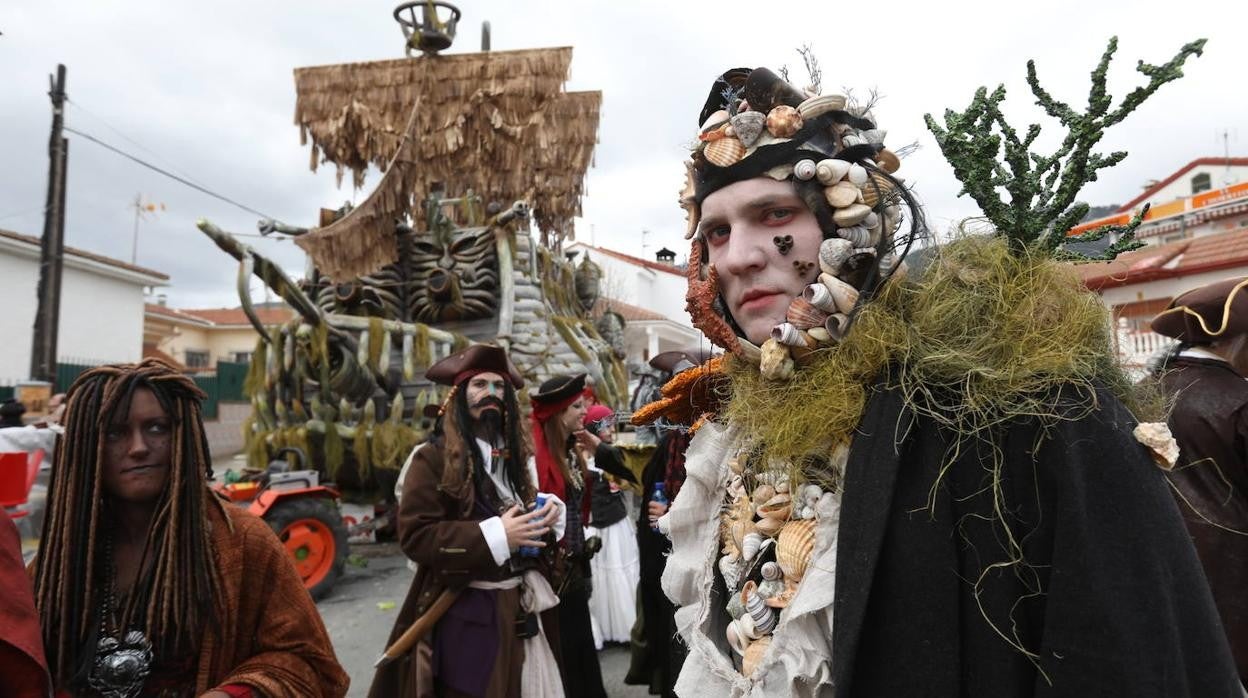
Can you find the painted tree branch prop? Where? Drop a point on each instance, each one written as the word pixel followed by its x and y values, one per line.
pixel 1041 205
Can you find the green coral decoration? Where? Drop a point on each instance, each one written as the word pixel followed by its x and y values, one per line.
pixel 1042 188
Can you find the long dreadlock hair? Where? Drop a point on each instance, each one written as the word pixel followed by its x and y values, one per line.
pixel 457 440
pixel 174 595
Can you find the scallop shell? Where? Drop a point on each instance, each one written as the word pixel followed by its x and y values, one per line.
pixel 737 639
pixel 723 152
pixel 841 194
pixel 850 215
pixel 771 571
pixel 820 105
pixel 888 161
pixel 831 171
pixel 803 315
pixel 876 187
pixel 857 174
pixel 783 121
pixel 794 547
pixel 750 545
pixel 764 616
pixel 844 296
pixel 754 655
pixel 749 126
pixel 762 493
pixel 778 507
pixel 832 254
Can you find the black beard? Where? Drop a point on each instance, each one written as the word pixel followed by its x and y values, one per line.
pixel 491 421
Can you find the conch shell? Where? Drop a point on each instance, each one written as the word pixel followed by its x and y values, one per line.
pixel 794 547
pixel 831 171
pixel 844 296
pixel 832 255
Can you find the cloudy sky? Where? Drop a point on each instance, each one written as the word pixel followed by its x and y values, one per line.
pixel 206 89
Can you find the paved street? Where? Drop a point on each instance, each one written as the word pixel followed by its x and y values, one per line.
pixel 359 627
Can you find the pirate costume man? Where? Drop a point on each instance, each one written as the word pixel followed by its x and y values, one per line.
pixel 558 409
pixel 462 488
pixel 898 486
pixel 1210 422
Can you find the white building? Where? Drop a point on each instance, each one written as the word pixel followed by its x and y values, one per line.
pixel 651 298
pixel 101 312
pixel 1196 230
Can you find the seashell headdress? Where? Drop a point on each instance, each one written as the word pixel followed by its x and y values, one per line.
pixel 755 124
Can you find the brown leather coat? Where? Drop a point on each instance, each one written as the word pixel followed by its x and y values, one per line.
pixel 1210 423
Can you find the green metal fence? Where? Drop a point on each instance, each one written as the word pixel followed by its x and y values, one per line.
pixel 230 378
pixel 7 392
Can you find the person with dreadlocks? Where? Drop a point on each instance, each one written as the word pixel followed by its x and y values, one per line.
pixel 483 552
pixel 900 482
pixel 558 414
pixel 146 582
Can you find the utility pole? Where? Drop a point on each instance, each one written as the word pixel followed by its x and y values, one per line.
pixel 51 249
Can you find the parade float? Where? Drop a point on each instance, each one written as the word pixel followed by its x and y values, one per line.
pixel 475 150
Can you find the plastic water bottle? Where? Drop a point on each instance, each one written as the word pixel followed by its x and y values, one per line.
pixel 529 550
pixel 658 497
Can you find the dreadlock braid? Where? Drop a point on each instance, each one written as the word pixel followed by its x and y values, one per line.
pixel 174 596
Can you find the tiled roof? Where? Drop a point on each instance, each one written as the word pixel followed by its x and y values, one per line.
pixel 87 255
pixel 629 312
pixel 657 266
pixel 235 316
pixel 1175 259
pixel 173 314
pixel 150 350
pixel 1230 162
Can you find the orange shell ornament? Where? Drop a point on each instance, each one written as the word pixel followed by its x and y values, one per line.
pixel 754 655
pixel 794 547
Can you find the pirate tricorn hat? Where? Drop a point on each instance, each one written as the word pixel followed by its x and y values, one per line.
pixel 1206 314
pixel 559 389
pixel 478 358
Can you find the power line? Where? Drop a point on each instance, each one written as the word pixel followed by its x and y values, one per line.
pixel 24 212
pixel 167 173
pixel 166 161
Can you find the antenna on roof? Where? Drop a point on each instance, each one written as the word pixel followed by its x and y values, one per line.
pixel 430 33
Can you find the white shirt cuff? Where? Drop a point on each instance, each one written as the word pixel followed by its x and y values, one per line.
pixel 665 524
pixel 561 523
pixel 496 538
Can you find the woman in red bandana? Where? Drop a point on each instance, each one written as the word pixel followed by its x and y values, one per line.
pixel 558 411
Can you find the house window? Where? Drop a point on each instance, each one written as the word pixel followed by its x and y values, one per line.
pixel 242 357
pixel 196 359
pixel 1201 182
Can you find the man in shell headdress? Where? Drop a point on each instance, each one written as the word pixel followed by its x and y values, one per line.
pixel 906 482
pixel 467 518
pixel 1210 423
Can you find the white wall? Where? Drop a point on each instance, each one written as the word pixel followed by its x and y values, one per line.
pixel 101 313
pixel 1182 187
pixel 659 291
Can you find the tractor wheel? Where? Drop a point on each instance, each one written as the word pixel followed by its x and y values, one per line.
pixel 315 538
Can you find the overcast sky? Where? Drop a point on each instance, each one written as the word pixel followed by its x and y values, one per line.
pixel 206 89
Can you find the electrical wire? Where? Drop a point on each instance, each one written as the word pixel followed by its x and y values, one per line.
pixel 167 173
pixel 166 161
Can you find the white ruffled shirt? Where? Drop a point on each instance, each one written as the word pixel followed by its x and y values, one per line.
pixel 492 528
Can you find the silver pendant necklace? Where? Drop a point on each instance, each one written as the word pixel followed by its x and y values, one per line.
pixel 122 662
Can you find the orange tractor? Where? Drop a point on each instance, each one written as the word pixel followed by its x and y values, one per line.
pixel 303 513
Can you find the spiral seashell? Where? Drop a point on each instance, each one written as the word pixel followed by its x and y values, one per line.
pixel 888 161
pixel 770 570
pixel 841 194
pixel 746 625
pixel 850 215
pixel 724 152
pixel 749 126
pixel 844 296
pixel 783 121
pixel 832 255
pixel 794 548
pixel 835 325
pixel 831 171
pixel 887 263
pixel 806 512
pixel 764 616
pixel 811 493
pixel 876 187
pixel 821 104
pixel 856 236
pixel 804 169
pixel 787 334
pixel 778 507
pixel 762 493
pixel 753 656
pixel 749 547
pixel 804 315
pixel 737 639
pixel 857 174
